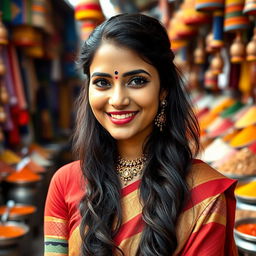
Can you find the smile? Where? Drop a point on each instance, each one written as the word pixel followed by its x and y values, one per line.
pixel 123 117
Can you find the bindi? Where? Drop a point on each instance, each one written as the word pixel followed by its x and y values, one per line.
pixel 116 74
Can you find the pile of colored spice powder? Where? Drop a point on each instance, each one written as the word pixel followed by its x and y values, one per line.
pixel 248 190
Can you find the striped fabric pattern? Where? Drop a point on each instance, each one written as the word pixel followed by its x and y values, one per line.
pixel 207 217
pixel 56 243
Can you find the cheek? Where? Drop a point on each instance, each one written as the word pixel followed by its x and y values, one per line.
pixel 150 102
pixel 96 100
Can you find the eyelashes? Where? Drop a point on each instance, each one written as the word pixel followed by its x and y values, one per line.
pixel 101 83
pixel 135 82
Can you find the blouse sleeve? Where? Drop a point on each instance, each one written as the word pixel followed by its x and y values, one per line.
pixel 211 235
pixel 56 218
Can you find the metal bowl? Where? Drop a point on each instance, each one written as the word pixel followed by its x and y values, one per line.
pixel 13 240
pixel 246 199
pixel 247 247
pixel 20 216
pixel 243 235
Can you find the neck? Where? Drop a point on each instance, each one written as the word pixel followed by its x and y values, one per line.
pixel 129 150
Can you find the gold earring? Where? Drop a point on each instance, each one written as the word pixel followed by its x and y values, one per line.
pixel 160 119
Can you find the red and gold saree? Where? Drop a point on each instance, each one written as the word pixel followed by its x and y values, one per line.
pixel 205 227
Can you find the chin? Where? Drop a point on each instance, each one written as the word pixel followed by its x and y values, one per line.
pixel 121 136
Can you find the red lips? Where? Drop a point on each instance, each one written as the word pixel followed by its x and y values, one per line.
pixel 121 117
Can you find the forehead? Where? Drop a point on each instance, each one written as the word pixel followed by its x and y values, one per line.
pixel 110 57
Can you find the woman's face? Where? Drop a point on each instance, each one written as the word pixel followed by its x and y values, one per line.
pixel 124 92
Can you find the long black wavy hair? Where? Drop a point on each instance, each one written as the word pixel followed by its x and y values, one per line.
pixel 163 189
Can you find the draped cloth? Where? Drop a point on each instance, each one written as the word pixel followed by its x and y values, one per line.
pixel 204 228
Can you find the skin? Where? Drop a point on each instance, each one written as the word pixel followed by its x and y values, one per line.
pixel 139 94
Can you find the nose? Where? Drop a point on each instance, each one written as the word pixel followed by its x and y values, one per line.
pixel 119 97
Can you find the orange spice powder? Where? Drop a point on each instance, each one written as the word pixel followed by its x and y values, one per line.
pixel 244 137
pixel 24 175
pixel 19 210
pixel 11 231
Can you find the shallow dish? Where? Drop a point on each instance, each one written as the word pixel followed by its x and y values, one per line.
pixel 19 211
pixel 242 235
pixel 11 240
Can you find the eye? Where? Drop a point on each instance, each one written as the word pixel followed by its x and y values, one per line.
pixel 137 81
pixel 101 83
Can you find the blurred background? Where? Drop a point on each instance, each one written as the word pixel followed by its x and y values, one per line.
pixel 214 42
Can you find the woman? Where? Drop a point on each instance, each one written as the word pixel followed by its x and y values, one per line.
pixel 137 189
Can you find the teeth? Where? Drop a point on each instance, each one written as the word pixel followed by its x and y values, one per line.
pixel 122 116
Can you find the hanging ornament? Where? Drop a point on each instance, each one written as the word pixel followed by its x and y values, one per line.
pixel 86 28
pixel 89 10
pixel 1 135
pixel 217 41
pixel 235 20
pixel 185 31
pixel 4 97
pixel 251 48
pixel 2 115
pixel 192 16
pixel 209 5
pixel 194 78
pixel 25 35
pixel 176 42
pixel 39 13
pixel 208 42
pixel 3 32
pixel 2 67
pixel 217 63
pixel 211 80
pixel 199 53
pixel 253 81
pixel 182 30
pixel 237 49
pixel 250 7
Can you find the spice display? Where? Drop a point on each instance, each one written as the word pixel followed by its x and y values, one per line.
pixel 248 228
pixel 224 158
pixel 9 157
pixel 242 163
pixel 24 175
pixel 19 210
pixel 245 137
pixel 232 109
pixel 229 136
pixel 248 190
pixel 237 116
pixel 207 119
pixel 5 169
pixel 10 231
pixel 216 150
pixel 241 214
pixel 224 126
pixel 33 166
pixel 223 105
pixel 248 118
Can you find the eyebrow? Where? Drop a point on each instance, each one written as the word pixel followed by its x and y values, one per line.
pixel 129 73
pixel 135 72
pixel 101 74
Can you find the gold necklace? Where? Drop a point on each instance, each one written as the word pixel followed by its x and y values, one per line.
pixel 128 169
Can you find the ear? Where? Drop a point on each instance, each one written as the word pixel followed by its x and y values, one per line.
pixel 163 94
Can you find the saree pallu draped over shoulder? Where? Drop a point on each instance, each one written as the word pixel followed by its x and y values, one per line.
pixel 204 228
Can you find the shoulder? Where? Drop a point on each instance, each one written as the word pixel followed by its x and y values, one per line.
pixel 204 182
pixel 65 192
pixel 68 175
pixel 201 173
pixel 72 169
